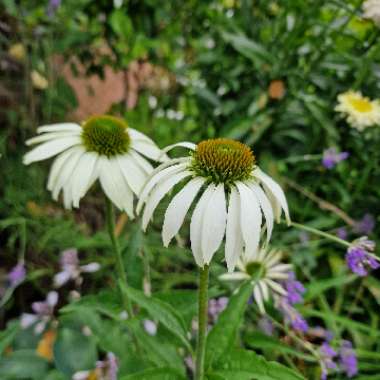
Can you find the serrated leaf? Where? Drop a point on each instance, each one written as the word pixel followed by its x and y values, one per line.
pixel 223 334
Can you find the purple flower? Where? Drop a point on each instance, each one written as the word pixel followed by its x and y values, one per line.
pixel 71 270
pixel 365 225
pixel 292 316
pixel 266 326
pixel 341 232
pixel 348 361
pixel 17 275
pixel 294 289
pixel 150 327
pixel 331 157
pixel 359 258
pixel 327 359
pixel 322 333
pixel 109 367
pixel 52 7
pixel 43 313
pixel 216 306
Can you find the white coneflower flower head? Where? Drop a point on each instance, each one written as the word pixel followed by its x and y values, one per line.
pixel 360 111
pixel 371 9
pixel 103 148
pixel 234 194
pixel 266 272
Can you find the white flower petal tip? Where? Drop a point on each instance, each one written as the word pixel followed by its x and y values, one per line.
pixel 121 173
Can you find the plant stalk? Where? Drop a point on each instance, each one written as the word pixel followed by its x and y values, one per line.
pixel 202 322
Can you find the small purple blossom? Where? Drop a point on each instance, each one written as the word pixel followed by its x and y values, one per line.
pixel 342 233
pixel 327 359
pixel 109 367
pixel 322 333
pixel 347 359
pixel 216 306
pixel 266 326
pixel 292 316
pixel 359 258
pixel 17 275
pixel 43 313
pixel 331 157
pixel 294 289
pixel 71 270
pixel 52 7
pixel 304 238
pixel 365 225
pixel 150 327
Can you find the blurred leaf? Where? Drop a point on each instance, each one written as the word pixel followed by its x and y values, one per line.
pixel 121 24
pixel 7 336
pixel 156 374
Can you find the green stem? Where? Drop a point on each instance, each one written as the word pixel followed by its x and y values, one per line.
pixel 122 276
pixel 320 233
pixel 202 322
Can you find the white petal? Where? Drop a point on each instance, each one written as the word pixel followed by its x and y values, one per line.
pixel 280 268
pixel 234 239
pixel 81 375
pixel 133 174
pixel 273 258
pixel 178 208
pixel 142 162
pixel 214 223
pixel 27 320
pixel 90 268
pixel 278 275
pixel 50 149
pixel 63 178
pixel 60 127
pixel 250 219
pixel 235 276
pixel 196 225
pixel 50 136
pixel 264 290
pixel 266 207
pixel 159 192
pixel 52 298
pixel 82 175
pixel 259 298
pixel 40 327
pixel 155 179
pixel 137 135
pixel 184 144
pixel 275 189
pixel 275 286
pixel 149 150
pixel 61 278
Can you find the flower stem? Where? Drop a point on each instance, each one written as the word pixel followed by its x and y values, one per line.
pixel 320 233
pixel 122 276
pixel 202 322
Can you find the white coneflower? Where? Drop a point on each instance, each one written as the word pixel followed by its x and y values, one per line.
pixel 371 9
pixel 235 195
pixel 361 112
pixel 267 272
pixel 103 148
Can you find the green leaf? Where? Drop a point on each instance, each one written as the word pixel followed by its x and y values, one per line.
pixel 223 334
pixel 7 336
pixel 247 365
pixel 162 312
pixel 74 352
pixel 156 374
pixel 121 24
pixel 23 364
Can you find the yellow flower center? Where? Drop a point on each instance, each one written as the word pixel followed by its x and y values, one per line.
pixel 223 161
pixel 105 135
pixel 361 105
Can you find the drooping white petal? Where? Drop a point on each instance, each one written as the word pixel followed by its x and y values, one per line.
pixel 259 298
pixel 234 238
pixel 154 180
pixel 178 208
pixel 275 286
pixel 275 189
pixel 184 144
pixel 141 161
pixel 149 150
pixel 264 290
pixel 137 135
pixel 278 275
pixel 250 218
pixel 159 192
pixel 82 176
pixel 50 149
pixel 235 276
pixel 51 136
pixel 266 207
pixel 90 268
pixel 61 278
pixel 280 268
pixel 273 258
pixel 60 127
pixel 214 223
pixel 67 170
pixel 133 173
pixel 196 225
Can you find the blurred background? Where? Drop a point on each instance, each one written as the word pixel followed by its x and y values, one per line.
pixel 267 73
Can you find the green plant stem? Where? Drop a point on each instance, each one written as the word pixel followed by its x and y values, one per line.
pixel 202 322
pixel 122 276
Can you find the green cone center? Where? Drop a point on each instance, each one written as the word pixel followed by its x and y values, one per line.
pixel 105 135
pixel 223 161
pixel 255 269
